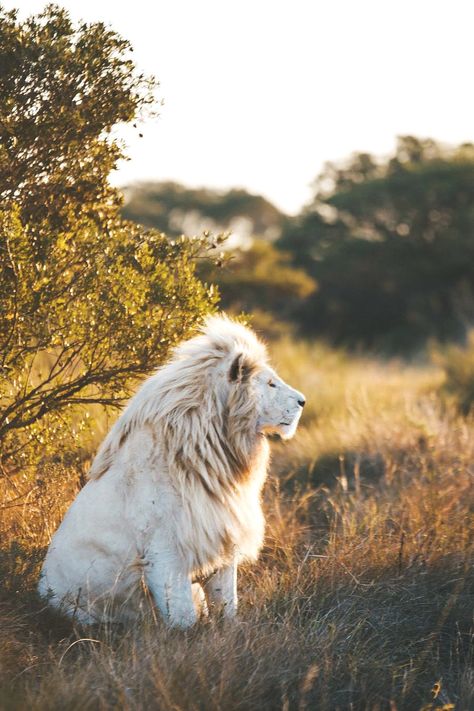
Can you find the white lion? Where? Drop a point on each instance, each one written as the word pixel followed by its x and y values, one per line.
pixel 173 496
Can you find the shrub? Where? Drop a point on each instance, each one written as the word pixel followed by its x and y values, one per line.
pixel 88 302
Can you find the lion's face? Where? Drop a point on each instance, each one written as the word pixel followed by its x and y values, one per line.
pixel 280 406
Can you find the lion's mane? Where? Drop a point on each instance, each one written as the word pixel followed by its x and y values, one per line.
pixel 202 412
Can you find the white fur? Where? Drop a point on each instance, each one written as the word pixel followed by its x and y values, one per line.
pixel 174 491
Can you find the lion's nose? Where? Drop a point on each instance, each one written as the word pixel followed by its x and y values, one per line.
pixel 301 403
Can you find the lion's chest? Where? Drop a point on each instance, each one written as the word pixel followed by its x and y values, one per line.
pixel 211 533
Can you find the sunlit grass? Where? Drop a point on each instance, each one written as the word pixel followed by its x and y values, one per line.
pixel 362 597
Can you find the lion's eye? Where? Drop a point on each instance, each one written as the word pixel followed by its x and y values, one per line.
pixel 272 385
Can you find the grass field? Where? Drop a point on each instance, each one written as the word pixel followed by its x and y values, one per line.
pixel 362 597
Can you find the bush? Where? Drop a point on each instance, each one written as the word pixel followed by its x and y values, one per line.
pixel 88 302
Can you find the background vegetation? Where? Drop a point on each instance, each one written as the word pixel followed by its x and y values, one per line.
pixel 387 243
pixel 363 596
pixel 88 301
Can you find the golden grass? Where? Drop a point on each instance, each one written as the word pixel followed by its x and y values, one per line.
pixel 362 597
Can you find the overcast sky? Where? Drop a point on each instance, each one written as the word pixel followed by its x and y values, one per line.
pixel 260 93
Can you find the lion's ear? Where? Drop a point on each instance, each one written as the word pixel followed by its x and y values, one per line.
pixel 241 369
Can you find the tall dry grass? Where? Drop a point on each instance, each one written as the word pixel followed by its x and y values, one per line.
pixel 362 597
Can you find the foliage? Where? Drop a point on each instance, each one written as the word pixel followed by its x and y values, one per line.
pixel 83 322
pixel 260 279
pixel 391 246
pixel 174 209
pixel 62 90
pixel 255 277
pixel 88 302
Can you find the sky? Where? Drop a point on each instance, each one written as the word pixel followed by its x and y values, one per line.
pixel 260 94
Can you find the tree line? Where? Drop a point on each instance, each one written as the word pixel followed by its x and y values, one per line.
pixel 390 244
pixel 382 257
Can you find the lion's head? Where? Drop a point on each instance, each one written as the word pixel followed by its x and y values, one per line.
pixel 210 405
pixel 277 406
pixel 245 381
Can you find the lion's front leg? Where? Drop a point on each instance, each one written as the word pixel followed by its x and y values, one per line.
pixel 171 589
pixel 221 591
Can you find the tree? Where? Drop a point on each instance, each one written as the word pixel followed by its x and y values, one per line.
pixel 171 207
pixel 261 281
pixel 88 301
pixel 391 245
